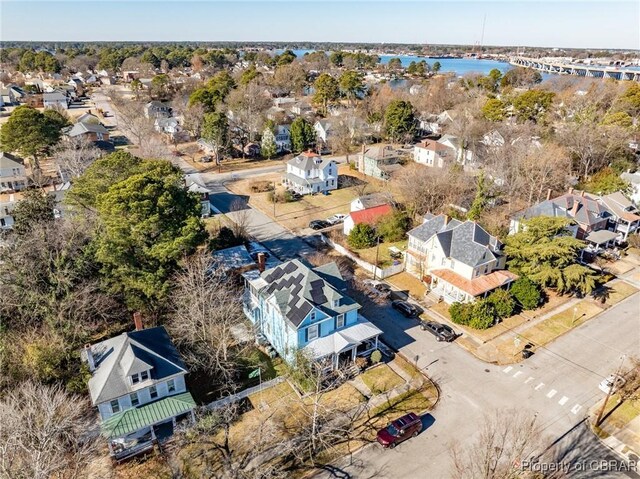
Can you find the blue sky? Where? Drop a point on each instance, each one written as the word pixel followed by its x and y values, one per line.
pixel 588 24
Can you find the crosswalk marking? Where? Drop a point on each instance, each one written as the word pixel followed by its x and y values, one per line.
pixel 563 401
pixel 539 386
pixel 551 393
pixel 529 379
pixel 507 369
pixel 576 408
pixel 518 373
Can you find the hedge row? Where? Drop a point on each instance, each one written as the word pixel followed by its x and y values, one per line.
pixel 500 304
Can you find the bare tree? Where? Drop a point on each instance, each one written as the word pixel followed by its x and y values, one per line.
pixel 248 104
pixel 207 310
pixel 74 156
pixel 426 189
pixel 45 432
pixel 240 215
pixel 224 455
pixel 506 438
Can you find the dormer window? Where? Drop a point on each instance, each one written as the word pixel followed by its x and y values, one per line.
pixel 312 316
pixel 139 377
pixel 336 303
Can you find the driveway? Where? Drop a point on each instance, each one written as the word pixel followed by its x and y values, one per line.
pixel 559 383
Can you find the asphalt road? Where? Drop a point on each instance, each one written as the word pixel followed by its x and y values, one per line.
pixel 559 384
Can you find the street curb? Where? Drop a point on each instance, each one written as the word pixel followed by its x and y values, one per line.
pixel 591 426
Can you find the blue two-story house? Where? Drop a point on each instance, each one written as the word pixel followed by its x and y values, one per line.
pixel 298 306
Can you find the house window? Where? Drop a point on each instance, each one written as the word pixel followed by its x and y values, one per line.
pixel 144 375
pixel 115 406
pixel 336 303
pixel 312 332
pixel 171 386
pixel 453 264
pixel 134 399
pixel 443 260
pixel 135 378
pixel 339 321
pixel 153 392
pixel 312 316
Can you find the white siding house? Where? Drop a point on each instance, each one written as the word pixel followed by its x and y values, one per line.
pixel 309 173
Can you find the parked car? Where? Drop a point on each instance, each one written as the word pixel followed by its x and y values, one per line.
pixel 336 219
pixel 442 332
pixel 406 308
pixel 611 383
pixel 376 288
pixel 295 195
pixel 384 289
pixel 318 224
pixel 400 430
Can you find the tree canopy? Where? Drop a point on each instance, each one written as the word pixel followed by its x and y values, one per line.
pixel 547 253
pixel 149 221
pixel 302 135
pixel 399 120
pixel 30 132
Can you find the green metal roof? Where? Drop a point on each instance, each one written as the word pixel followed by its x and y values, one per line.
pixel 131 420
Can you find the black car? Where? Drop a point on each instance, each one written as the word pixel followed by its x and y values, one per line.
pixel 407 309
pixel 442 332
pixel 318 225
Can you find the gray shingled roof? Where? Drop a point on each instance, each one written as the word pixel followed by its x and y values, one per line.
pixel 82 128
pixel 298 288
pixel 589 211
pixel 7 160
pixel 119 357
pixel 308 162
pixel 466 242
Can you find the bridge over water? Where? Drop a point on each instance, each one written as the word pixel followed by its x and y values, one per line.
pixel 579 70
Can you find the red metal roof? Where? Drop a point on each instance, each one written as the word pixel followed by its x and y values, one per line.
pixel 370 215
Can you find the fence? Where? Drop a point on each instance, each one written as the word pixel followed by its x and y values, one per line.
pixel 243 394
pixel 380 273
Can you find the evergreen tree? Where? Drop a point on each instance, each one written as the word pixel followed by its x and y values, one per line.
pixel 547 253
pixel 302 135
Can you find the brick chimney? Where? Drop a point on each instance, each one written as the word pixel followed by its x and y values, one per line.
pixel 548 194
pixel 91 362
pixel 137 321
pixel 262 259
pixel 574 209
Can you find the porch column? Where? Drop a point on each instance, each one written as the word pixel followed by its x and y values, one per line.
pixel 193 417
pixel 376 342
pixel 353 353
pixel 335 361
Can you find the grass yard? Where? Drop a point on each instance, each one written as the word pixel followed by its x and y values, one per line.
pixel 344 397
pixel 409 284
pixel 273 395
pixel 621 415
pixel 619 291
pixel 381 379
pixel 384 259
pixel 552 328
pixel 297 214
pixel 410 401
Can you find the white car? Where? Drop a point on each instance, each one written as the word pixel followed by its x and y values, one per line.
pixel 336 219
pixel 611 384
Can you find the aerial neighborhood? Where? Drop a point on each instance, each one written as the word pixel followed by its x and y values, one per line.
pixel 253 260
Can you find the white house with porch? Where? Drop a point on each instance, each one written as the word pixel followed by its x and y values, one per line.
pixel 298 306
pixel 309 173
pixel 460 261
pixel 138 386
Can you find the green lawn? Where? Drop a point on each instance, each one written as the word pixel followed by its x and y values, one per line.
pixel 381 379
pixel 384 260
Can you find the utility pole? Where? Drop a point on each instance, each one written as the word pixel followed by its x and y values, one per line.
pixel 275 199
pixel 606 399
pixel 375 266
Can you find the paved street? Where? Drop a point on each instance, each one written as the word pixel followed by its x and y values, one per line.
pixel 559 383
